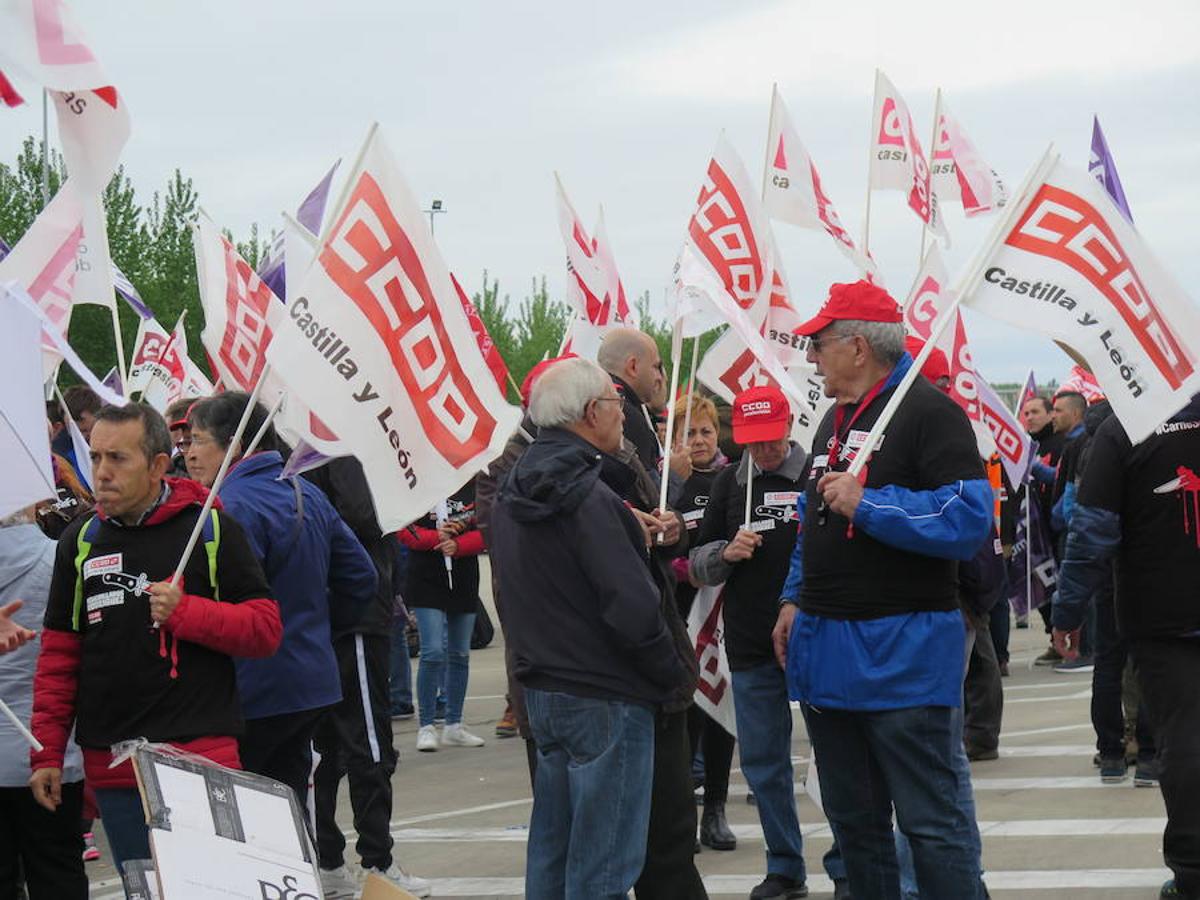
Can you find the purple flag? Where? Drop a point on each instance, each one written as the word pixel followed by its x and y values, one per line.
pixel 303 458
pixel 1101 164
pixel 4 249
pixel 127 292
pixel 113 380
pixel 273 269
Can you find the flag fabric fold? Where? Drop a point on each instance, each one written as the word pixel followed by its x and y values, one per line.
pixel 959 172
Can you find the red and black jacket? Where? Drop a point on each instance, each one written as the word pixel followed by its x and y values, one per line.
pixel 105 669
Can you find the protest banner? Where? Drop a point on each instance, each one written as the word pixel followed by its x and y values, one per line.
pixel 959 172
pixel 27 475
pixel 376 343
pixel 706 629
pixel 1069 265
pixel 792 190
pixel 897 160
pixel 161 369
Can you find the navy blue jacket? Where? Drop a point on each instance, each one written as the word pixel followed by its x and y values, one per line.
pixel 320 576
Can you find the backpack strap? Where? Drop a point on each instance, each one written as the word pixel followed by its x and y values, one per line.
pixel 211 533
pixel 83 545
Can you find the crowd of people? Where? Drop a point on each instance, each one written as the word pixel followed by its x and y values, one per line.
pixel 877 598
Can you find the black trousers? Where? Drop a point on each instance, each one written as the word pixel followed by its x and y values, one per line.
pixel 280 747
pixel 983 692
pixel 1108 713
pixel 706 733
pixel 1169 675
pixel 1000 627
pixel 355 739
pixel 670 872
pixel 46 847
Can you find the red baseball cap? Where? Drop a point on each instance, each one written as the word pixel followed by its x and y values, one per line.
pixel 860 300
pixel 527 384
pixel 760 414
pixel 936 365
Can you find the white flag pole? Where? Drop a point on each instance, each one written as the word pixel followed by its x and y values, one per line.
pixel 1020 396
pixel 749 487
pixel 216 485
pixel 966 285
pixel 937 110
pixel 866 239
pixel 120 344
pixel 21 729
pixel 687 409
pixel 441 513
pixel 1028 549
pixel 676 354
pixel 262 429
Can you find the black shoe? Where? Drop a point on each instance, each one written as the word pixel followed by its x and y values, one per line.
pixel 779 887
pixel 979 754
pixel 1146 774
pixel 841 890
pixel 751 799
pixel 1112 769
pixel 714 829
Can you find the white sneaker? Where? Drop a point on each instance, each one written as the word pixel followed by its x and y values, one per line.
pixel 411 883
pixel 427 739
pixel 457 736
pixel 338 884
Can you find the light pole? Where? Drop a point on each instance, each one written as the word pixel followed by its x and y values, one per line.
pixel 435 207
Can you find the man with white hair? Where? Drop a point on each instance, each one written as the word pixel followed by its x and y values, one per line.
pixel 591 646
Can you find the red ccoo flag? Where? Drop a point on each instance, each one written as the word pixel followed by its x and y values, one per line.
pixel 491 355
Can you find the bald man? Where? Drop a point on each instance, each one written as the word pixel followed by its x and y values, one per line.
pixel 631 357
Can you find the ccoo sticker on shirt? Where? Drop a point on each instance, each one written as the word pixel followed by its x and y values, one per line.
pixel 780 498
pixel 101 565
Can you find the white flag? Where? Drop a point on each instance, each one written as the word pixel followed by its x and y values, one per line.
pixel 586 281
pixel 162 369
pixel 930 295
pixel 240 312
pixel 93 264
pixel 26 476
pixel 728 249
pixel 959 172
pixel 897 160
pixel 43 263
pixel 42 39
pixel 377 344
pixel 792 189
pixel 706 628
pixel 1012 441
pixel 94 128
pixel 1066 264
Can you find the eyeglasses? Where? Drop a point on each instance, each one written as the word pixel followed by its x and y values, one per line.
pixel 201 441
pixel 608 399
pixel 817 344
pixel 183 444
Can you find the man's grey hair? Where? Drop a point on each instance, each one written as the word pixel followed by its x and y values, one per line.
pixel 562 392
pixel 886 339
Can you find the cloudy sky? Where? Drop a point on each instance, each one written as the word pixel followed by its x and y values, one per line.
pixel 483 101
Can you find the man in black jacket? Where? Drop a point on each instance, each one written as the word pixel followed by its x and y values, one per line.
pixel 632 359
pixel 591 646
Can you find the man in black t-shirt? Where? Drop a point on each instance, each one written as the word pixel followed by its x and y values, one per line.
pixel 1140 507
pixel 869 623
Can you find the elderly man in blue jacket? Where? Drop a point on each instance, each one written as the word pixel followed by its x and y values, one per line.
pixel 869 627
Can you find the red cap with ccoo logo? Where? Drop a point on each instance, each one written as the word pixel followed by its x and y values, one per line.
pixel 760 414
pixel 860 300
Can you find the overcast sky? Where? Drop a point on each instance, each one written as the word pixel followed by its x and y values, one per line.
pixel 482 101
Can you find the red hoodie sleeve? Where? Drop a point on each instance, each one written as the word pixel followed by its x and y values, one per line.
pixel 249 629
pixel 470 543
pixel 54 685
pixel 414 537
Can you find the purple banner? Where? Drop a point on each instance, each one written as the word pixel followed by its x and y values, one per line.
pixel 273 270
pixel 1102 166
pixel 1040 571
pixel 4 249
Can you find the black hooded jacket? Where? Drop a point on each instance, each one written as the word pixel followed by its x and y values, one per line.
pixel 582 607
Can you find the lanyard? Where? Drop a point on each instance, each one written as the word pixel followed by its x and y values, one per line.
pixel 840 414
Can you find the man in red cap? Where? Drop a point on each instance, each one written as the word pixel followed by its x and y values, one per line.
pixel 750 556
pixel 869 626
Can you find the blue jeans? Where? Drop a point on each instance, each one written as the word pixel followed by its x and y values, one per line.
pixel 906 758
pixel 445 660
pixel 764 726
pixel 400 694
pixel 591 796
pixel 124 824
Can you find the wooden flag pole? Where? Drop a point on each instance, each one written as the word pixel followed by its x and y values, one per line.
pixel 687 409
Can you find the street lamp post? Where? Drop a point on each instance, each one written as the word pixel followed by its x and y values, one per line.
pixel 434 208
